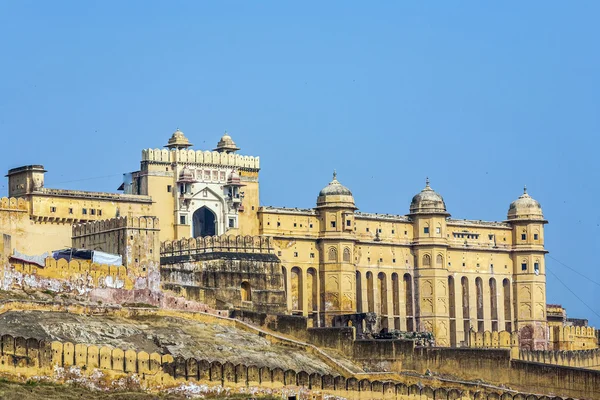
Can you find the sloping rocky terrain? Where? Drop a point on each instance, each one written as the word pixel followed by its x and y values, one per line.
pixel 208 341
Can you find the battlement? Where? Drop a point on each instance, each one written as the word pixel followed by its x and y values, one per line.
pixel 564 332
pixel 567 358
pixel 76 276
pixel 88 228
pixel 494 340
pixel 13 204
pixel 94 195
pixel 201 157
pixel 225 243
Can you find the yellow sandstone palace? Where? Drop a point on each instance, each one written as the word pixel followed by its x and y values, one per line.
pixel 422 271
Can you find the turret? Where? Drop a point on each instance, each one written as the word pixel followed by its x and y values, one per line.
pixel 335 207
pixel 528 255
pixel 24 180
pixel 178 141
pixel 428 213
pixel 226 144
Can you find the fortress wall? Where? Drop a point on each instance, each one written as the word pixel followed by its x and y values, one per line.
pixel 574 338
pixel 521 375
pixel 62 276
pixel 29 357
pixel 224 243
pixel 136 239
pixel 201 157
pixel 568 358
pixel 494 365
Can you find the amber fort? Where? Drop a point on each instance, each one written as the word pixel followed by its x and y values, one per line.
pixel 181 277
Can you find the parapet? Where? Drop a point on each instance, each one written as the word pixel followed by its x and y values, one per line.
pixel 201 157
pixel 89 228
pixel 225 243
pixel 95 195
pixel 13 204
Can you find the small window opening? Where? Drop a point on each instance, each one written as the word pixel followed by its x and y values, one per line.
pixel 426 229
pixel 333 224
pixel 524 267
pixel 169 188
pixel 523 236
pixel 182 219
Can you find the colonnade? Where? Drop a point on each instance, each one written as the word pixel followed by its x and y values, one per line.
pixel 477 303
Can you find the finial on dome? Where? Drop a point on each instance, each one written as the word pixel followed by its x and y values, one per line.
pixel 334 175
pixel 427 182
pixel 525 189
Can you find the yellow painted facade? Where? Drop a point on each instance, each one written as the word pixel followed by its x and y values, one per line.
pixel 421 271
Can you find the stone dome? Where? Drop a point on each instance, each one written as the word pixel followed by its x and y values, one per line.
pixel 525 207
pixel 178 141
pixel 428 201
pixel 335 194
pixel 234 179
pixel 226 144
pixel 186 176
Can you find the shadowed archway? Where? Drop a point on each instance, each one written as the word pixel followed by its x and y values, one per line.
pixel 204 222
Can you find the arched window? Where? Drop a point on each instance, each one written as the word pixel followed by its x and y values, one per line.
pixel 332 254
pixel 346 254
pixel 523 265
pixel 246 291
pixel 426 260
pixel 439 261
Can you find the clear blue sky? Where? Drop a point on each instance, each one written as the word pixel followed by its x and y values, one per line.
pixel 482 98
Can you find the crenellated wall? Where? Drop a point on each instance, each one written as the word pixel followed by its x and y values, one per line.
pixel 201 157
pixel 494 340
pixel 28 357
pixel 231 244
pixel 573 338
pixel 589 359
pixel 136 239
pixel 62 276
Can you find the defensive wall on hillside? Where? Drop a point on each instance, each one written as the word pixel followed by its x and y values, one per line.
pixel 27 357
pixel 500 365
pixel 62 276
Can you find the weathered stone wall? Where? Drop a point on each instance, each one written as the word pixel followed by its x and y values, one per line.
pixel 62 276
pixel 136 239
pixel 293 325
pixel 573 338
pixel 28 357
pixel 495 366
pixel 225 272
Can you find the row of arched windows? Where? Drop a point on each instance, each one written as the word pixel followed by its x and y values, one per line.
pixel 332 254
